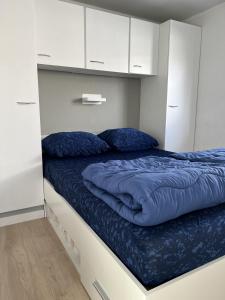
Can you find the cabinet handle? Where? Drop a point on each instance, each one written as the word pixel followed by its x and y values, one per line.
pixel 100 290
pixel 44 55
pixel 97 62
pixel 25 102
pixel 137 66
pixel 173 106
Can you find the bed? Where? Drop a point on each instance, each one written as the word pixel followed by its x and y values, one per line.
pixel 153 262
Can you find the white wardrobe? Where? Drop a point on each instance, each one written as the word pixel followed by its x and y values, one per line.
pixel 168 101
pixel 20 138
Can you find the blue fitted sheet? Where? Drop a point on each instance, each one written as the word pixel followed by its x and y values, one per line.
pixel 153 254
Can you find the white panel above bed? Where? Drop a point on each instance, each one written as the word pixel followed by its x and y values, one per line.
pixel 61 104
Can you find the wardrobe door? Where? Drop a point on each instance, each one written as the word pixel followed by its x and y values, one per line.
pixel 107 41
pixel 20 150
pixel 60 33
pixel 144 47
pixel 183 70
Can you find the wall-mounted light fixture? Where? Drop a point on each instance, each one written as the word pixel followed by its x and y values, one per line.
pixel 93 99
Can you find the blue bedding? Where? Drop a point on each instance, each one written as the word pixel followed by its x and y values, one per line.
pixel 153 254
pixel 212 155
pixel 151 190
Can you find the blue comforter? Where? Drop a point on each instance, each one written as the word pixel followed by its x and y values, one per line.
pixel 150 191
pixel 212 155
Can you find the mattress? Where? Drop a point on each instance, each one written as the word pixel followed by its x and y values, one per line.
pixel 155 254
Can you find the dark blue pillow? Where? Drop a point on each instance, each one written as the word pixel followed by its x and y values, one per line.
pixel 71 144
pixel 128 139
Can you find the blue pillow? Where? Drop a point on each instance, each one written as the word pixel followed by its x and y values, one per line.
pixel 72 144
pixel 128 139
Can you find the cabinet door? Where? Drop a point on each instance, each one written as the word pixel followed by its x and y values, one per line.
pixel 107 41
pixel 183 70
pixel 144 46
pixel 60 33
pixel 21 183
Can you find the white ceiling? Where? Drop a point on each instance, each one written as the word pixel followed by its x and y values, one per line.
pixel 156 10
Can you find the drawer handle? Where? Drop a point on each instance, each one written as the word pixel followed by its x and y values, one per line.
pixel 25 102
pixel 44 55
pixel 137 66
pixel 97 62
pixel 100 290
pixel 173 106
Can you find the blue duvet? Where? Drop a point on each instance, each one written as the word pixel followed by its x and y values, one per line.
pixel 150 191
pixel 212 155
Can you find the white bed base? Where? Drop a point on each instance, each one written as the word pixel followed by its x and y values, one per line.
pixel 105 277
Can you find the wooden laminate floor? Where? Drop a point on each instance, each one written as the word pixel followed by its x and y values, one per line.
pixel 35 266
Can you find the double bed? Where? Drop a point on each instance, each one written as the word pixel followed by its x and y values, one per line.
pixel 174 260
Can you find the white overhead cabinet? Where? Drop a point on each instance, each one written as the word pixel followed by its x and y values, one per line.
pixel 168 101
pixel 107 41
pixel 21 182
pixel 71 35
pixel 144 47
pixel 60 33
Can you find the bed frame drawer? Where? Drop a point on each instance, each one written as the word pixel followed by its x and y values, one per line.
pixel 94 288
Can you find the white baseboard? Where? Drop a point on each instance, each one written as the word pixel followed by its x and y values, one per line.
pixel 21 216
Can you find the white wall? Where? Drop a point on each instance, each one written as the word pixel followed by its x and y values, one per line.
pixel 210 130
pixel 61 108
